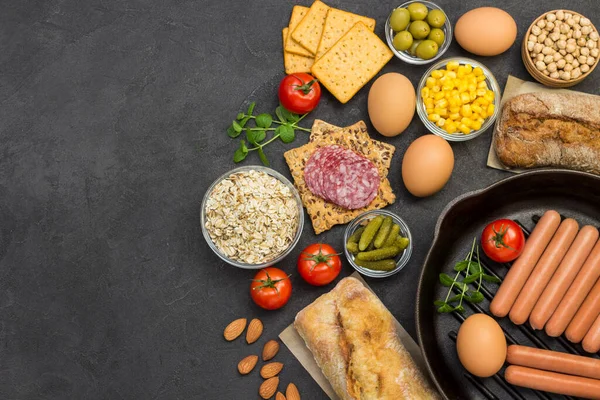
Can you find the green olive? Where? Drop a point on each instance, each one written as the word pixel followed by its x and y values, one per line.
pixel 427 49
pixel 436 18
pixel 419 29
pixel 413 48
pixel 418 11
pixel 403 40
pixel 399 19
pixel 437 35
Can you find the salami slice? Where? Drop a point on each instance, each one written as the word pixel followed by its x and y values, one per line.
pixel 342 177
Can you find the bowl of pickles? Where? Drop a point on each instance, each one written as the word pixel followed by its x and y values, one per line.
pixel 378 243
pixel 418 32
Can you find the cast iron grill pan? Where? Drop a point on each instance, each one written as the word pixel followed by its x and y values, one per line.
pixel 522 198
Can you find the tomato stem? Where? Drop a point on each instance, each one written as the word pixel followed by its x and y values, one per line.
pixel 319 258
pixel 268 283
pixel 306 87
pixel 498 237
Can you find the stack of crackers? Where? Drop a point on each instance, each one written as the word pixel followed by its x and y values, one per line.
pixel 325 215
pixel 339 48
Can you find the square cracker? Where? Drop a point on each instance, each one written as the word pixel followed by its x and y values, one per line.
pixel 352 62
pixel 291 46
pixel 325 215
pixel 337 24
pixel 309 30
pixel 294 63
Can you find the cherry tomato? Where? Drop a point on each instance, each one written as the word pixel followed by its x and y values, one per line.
pixel 299 93
pixel 271 288
pixel 319 264
pixel 503 240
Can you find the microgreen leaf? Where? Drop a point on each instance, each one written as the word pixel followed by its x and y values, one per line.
pixel 251 108
pixel 263 157
pixel 471 278
pixel 231 132
pixel 241 153
pixel 445 308
pixel 475 297
pixel 264 120
pixel 446 280
pixel 260 136
pixel 461 266
pixel 289 116
pixel 251 135
pixel 439 303
pixel 240 116
pixel 459 308
pixel 490 278
pixel 286 133
pixel 279 114
pixel 475 268
pixel 236 127
pixel 243 121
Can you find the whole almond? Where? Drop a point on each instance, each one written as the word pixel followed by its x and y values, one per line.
pixel 279 396
pixel 247 364
pixel 268 388
pixel 270 350
pixel 271 369
pixel 254 331
pixel 234 329
pixel 292 392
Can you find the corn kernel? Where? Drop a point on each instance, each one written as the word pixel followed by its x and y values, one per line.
pixel 477 71
pixel 433 117
pixel 466 111
pixel 429 110
pixel 442 103
pixel 482 85
pixel 490 110
pixel 452 66
pixel 455 92
pixel 473 95
pixel 480 92
pixel 483 113
pixel 464 129
pixel 447 95
pixel 476 125
pixel 475 108
pixel 475 116
pixel 454 116
pixel 435 89
pixel 440 122
pixel 466 122
pixel 448 86
pixel 468 68
pixel 461 72
pixel 489 96
pixel 425 92
pixel 438 96
pixel 481 121
pixel 472 87
pixel 480 78
pixel 454 109
pixel 483 102
pixel 430 82
pixel 464 98
pixel 428 102
pixel 442 112
pixel 437 74
pixel 463 87
pixel 472 79
pixel 450 127
pixel 450 74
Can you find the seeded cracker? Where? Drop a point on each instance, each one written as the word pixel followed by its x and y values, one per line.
pixel 293 62
pixel 309 30
pixel 324 215
pixel 337 24
pixel 353 61
pixel 291 46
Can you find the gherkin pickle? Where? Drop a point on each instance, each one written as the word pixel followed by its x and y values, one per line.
pixel 392 236
pixel 381 265
pixel 383 232
pixel 369 233
pixel 352 247
pixel 355 237
pixel 401 242
pixel 378 254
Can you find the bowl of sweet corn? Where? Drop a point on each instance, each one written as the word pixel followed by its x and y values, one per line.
pixel 458 99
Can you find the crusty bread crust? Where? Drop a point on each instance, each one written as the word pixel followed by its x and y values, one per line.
pixel 550 130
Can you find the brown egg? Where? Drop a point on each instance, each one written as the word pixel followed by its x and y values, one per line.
pixel 481 345
pixel 391 103
pixel 486 31
pixel 427 165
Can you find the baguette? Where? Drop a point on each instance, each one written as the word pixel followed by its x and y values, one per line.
pixel 353 340
pixel 550 130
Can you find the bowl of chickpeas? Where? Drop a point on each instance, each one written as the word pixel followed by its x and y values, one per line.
pixel 458 99
pixel 561 48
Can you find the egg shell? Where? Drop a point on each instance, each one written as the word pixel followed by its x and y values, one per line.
pixel 391 103
pixel 427 165
pixel 486 31
pixel 481 345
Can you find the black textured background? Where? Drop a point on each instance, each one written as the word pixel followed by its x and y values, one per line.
pixel 112 126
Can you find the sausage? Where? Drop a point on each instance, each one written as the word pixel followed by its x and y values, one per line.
pixel 591 341
pixel 563 277
pixel 585 316
pixel 522 267
pixel 553 361
pixel 590 272
pixel 553 382
pixel 543 271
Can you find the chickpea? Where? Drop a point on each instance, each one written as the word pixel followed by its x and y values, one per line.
pixel 576 27
pixel 562 44
pixel 541 37
pixel 548 59
pixel 585 22
pixel 560 15
pixel 549 26
pixel 576 53
pixel 561 63
pixel 569 58
pixel 546 72
pixel 554 75
pixel 571 41
pixel 552 67
pixel 585 51
pixel 577 18
pixel 594 52
pixel 570 34
pixel 575 63
pixel 540 65
pixel 568 15
pixel 554 36
pixel 564 28
pixel 537 48
pixel 563 37
pixel 581 59
pixel 581 42
pixel 577 34
pixel 591 61
pixel 562 52
pixel 541 23
pixel 570 22
pixel 565 76
pixel 539 57
pixel 549 43
pixel 591 44
pixel 568 68
pixel 547 50
pixel 586 30
pixel 551 17
pixel 593 35
pixel 576 73
pixel 584 68
pixel 571 48
pixel 557 56
pixel 530 46
pixel 536 30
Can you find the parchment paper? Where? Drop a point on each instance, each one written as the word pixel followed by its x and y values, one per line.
pixel 514 87
pixel 295 343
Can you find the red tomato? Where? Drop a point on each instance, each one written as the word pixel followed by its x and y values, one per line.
pixel 503 240
pixel 299 93
pixel 271 288
pixel 319 264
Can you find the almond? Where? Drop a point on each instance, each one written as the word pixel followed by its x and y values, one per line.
pixel 247 364
pixel 254 331
pixel 268 388
pixel 271 369
pixel 292 392
pixel 279 396
pixel 234 329
pixel 270 350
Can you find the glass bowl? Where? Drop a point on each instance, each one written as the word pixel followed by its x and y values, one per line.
pixel 401 259
pixel 299 227
pixel 459 136
pixel 405 55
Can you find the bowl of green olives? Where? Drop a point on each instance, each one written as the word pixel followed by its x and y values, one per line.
pixel 378 243
pixel 418 32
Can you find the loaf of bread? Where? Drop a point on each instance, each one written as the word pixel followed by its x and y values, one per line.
pixel 353 339
pixel 550 130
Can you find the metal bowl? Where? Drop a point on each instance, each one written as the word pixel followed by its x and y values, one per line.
pixel 299 227
pixel 458 137
pixel 401 259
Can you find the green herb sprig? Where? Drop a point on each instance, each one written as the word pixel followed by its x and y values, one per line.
pixel 473 273
pixel 255 136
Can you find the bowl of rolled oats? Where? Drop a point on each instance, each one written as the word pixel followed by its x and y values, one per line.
pixel 252 217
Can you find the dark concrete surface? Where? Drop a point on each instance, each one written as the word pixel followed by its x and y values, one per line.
pixel 112 126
